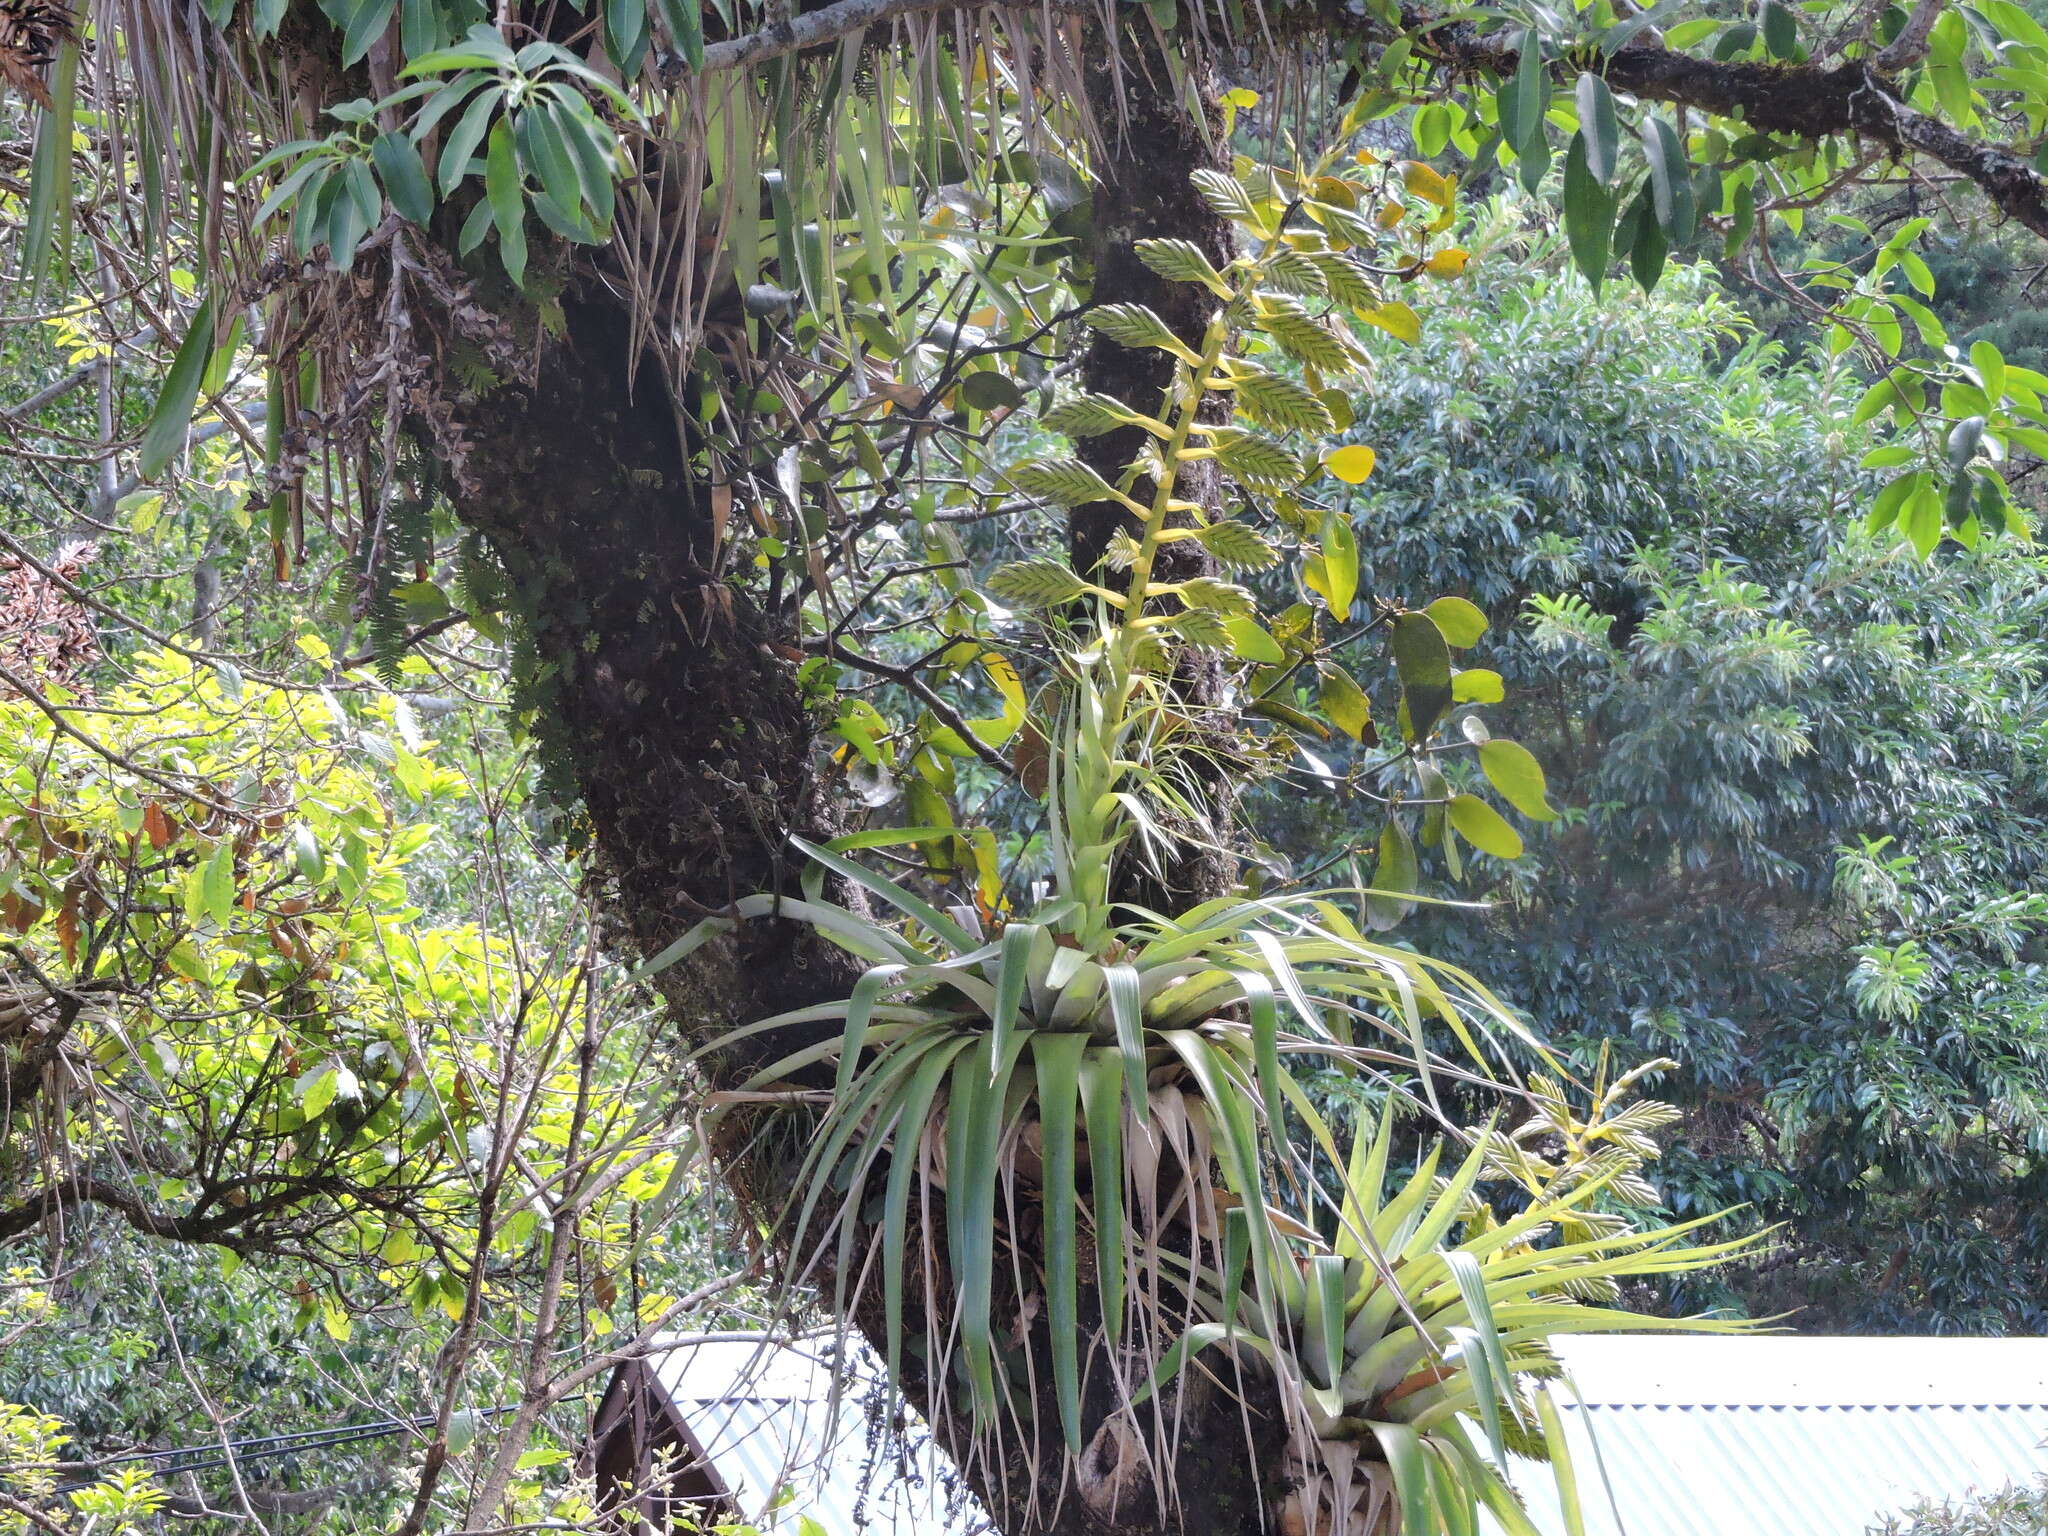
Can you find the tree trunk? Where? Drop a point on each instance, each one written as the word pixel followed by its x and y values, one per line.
pixel 1152 146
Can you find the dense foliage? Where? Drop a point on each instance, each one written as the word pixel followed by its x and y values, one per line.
pixel 1805 817
pixel 690 378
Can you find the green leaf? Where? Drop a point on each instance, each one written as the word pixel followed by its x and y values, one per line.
pixel 1513 770
pixel 1670 185
pixel 1597 125
pixel 164 436
pixel 1339 564
pixel 1461 621
pixel 506 194
pixel 1120 984
pixel 1058 1056
pixel 1423 661
pixel 1781 29
pixel 1588 214
pixel 1477 685
pixel 47 232
pixel 1013 974
pixel 685 20
pixel 1920 519
pixel 1523 102
pixel 1343 701
pixel 1650 247
pixel 1884 508
pixel 462 142
pixel 1403 1450
pixel 1484 827
pixel 990 390
pixel 367 20
pixel 404 176
pixel 315 1089
pixel 1102 1096
pixel 1251 641
pixel 1398 870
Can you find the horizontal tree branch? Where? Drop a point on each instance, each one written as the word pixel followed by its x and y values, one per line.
pixel 843 18
pixel 1798 101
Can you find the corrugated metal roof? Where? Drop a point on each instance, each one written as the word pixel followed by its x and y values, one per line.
pixel 1781 1436
pixel 764 1414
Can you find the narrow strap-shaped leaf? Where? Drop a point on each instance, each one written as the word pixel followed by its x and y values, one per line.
pixel 172 416
pixel 1456 1501
pixel 1102 1097
pixel 1265 1012
pixel 1198 1338
pixel 48 229
pixel 1562 1472
pixel 897 897
pixel 1323 1322
pixel 859 1007
pixel 682 948
pixel 1275 954
pixel 1471 1282
pixel 974 1188
pixel 1013 974
pixel 1403 1450
pixel 1237 1247
pixel 1121 982
pixel 1365 1181
pixel 1058 1057
pixel 1238 1147
pixel 904 1159
pixel 1486 1388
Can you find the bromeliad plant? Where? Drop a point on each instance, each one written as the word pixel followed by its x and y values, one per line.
pixel 1131 1069
pixel 1416 1340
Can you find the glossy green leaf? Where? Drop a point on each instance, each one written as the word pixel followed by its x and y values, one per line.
pixel 164 436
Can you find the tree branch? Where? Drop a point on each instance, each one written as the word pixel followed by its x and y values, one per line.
pixel 814 29
pixel 1798 101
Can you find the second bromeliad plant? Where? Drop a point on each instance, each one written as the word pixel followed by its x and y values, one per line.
pixel 1100 1097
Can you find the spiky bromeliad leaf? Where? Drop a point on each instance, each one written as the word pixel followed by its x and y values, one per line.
pixel 1202 628
pixel 1087 416
pixel 1227 196
pixel 1136 326
pixel 1293 271
pixel 1034 584
pixel 1289 323
pixel 1344 280
pixel 1066 481
pixel 1181 261
pixel 1258 461
pixel 1280 403
pixel 1223 598
pixel 1237 547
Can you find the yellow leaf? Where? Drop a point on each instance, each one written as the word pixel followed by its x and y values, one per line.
pixel 1240 97
pixel 1425 183
pixel 1351 464
pixel 1366 157
pixel 1396 319
pixel 1389 215
pixel 1336 191
pixel 1448 262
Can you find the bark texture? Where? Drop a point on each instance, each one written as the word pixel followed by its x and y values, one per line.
pixel 1153 145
